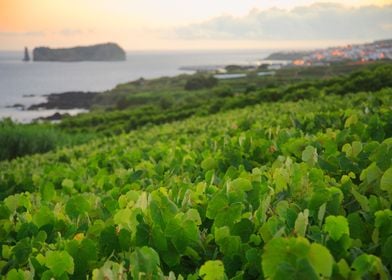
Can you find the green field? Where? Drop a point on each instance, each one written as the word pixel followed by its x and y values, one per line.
pixel 297 188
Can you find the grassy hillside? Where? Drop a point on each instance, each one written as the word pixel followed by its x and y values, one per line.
pixel 280 190
pixel 164 100
pixel 167 101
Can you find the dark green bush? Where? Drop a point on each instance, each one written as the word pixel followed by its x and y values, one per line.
pixel 223 91
pixel 197 82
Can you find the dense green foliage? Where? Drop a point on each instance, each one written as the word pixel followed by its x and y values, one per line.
pixel 285 190
pixel 199 81
pixel 144 102
pixel 176 105
pixel 18 140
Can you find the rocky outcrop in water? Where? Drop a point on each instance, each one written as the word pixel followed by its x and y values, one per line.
pixel 101 52
pixel 55 117
pixel 26 56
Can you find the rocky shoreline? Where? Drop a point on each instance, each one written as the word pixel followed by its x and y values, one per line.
pixel 67 100
pixel 55 117
pixel 60 101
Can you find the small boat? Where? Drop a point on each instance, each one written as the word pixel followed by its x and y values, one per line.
pixel 26 55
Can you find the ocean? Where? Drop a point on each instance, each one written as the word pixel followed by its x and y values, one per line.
pixel 27 83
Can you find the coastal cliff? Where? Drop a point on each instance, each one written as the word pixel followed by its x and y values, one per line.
pixel 100 52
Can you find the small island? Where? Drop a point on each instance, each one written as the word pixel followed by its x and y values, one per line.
pixel 100 52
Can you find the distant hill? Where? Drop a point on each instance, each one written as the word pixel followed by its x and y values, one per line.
pixel 287 55
pixel 100 52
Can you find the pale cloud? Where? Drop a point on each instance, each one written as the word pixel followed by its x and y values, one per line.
pixel 322 21
pixel 70 32
pixel 22 34
pixel 193 24
pixel 63 32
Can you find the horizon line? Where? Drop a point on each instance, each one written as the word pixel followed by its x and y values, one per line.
pixel 251 48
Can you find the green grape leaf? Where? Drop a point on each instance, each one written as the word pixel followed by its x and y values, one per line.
pixel 22 251
pixel 351 120
pixel 282 255
pixel 229 215
pixel 171 257
pixel 193 215
pixel 144 263
pixel 356 148
pixel 217 203
pixel 386 251
pixel 301 223
pixel 344 269
pixel 386 181
pixel 369 265
pixel 243 229
pixel 309 155
pixel 108 241
pixel 371 173
pixel 336 227
pixel 281 179
pixel 123 218
pixel 383 222
pixel 229 245
pixel 14 201
pixel 142 234
pixel 84 253
pixel 59 262
pixel 321 213
pixel 110 270
pixel 158 238
pixel 347 149
pixel 48 275
pixel 221 233
pixel 44 216
pixel 242 184
pixel 361 199
pixel 212 270
pixel 209 164
pixel 67 184
pixel 125 239
pixel 321 259
pixel 47 191
pixel 77 205
pixel 14 274
pixel 27 230
pixel 297 259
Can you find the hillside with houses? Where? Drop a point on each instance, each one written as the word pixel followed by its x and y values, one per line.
pixel 376 50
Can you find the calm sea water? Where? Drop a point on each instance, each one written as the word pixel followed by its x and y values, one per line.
pixel 26 83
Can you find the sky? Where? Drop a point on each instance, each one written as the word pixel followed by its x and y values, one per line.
pixel 192 24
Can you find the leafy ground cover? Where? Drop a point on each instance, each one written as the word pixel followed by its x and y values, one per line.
pixel 295 190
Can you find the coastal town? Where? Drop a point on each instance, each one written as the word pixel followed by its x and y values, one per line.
pixel 348 54
pixel 358 53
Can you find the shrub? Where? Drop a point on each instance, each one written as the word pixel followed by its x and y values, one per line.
pixel 197 82
pixel 224 91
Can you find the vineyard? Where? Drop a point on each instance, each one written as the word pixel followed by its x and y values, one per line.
pixel 280 190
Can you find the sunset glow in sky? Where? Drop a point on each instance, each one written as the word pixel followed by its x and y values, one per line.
pixel 167 24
